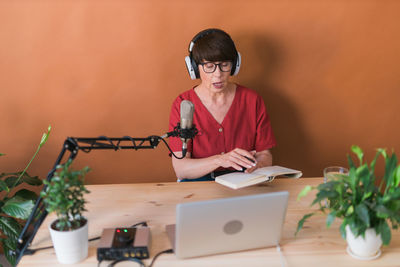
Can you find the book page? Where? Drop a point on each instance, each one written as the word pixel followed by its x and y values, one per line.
pixel 241 177
pixel 273 171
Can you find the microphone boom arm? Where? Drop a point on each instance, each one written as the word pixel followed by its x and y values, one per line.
pixel 73 145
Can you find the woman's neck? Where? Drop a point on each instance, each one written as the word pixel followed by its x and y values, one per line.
pixel 216 97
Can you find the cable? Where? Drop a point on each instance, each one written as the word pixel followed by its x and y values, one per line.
pixel 33 251
pixel 144 223
pixel 172 153
pixel 94 238
pixel 282 257
pixel 127 259
pixel 168 251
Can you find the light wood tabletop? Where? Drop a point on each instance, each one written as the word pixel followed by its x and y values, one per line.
pixel 122 205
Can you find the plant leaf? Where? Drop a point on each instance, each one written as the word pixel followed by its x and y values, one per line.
pixel 9 226
pixel 384 154
pixel 366 195
pixel 8 250
pixel 11 242
pixel 391 164
pixel 45 136
pixel 364 173
pixel 11 180
pixel 349 210
pixel 384 230
pixel 18 207
pixel 304 192
pixel 362 213
pixel 396 180
pixel 3 186
pixel 355 227
pixel 342 229
pixel 358 151
pixel 27 194
pixel 32 180
pixel 395 194
pixel 325 194
pixel 351 162
pixel 373 163
pixel 353 178
pixel 330 218
pixel 302 221
pixel 382 212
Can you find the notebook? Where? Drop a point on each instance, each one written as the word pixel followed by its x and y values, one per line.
pixel 228 224
pixel 238 180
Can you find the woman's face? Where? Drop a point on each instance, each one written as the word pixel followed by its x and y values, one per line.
pixel 217 80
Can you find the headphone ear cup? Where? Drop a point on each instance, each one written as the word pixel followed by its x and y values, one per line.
pixel 236 68
pixel 195 68
pixel 190 68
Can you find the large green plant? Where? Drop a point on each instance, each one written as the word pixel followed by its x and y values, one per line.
pixel 360 199
pixel 16 204
pixel 64 195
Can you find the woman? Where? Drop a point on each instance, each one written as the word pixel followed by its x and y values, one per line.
pixel 234 128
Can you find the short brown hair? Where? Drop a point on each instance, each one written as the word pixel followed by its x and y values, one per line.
pixel 213 45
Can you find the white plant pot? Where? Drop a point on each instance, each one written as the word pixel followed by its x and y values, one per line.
pixel 70 246
pixel 364 249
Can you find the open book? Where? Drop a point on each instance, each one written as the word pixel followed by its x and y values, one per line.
pixel 237 180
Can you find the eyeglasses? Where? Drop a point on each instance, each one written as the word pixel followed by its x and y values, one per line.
pixel 210 67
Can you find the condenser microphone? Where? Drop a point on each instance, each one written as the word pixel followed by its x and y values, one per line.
pixel 186 124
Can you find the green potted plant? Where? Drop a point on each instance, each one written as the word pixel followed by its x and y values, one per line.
pixel 367 206
pixel 16 203
pixel 64 195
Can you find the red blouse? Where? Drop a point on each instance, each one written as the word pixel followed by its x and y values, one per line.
pixel 246 125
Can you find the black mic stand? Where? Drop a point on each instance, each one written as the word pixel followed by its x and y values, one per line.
pixel 73 145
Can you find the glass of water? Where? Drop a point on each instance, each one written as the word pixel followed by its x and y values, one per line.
pixel 331 172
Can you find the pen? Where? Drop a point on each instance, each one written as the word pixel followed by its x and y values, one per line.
pixel 250 159
pixel 253 161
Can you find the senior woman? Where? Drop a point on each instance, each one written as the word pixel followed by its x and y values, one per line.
pixel 234 130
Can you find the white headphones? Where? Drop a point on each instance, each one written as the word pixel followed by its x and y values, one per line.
pixel 191 65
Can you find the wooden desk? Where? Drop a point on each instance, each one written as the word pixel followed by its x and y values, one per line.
pixel 122 205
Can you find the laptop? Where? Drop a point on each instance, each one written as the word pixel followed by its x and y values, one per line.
pixel 228 224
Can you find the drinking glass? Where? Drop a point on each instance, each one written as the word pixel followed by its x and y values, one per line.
pixel 331 172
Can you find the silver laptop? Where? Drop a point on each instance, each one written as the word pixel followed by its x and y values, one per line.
pixel 228 224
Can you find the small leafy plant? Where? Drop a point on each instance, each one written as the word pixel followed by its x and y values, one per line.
pixel 16 204
pixel 64 195
pixel 360 199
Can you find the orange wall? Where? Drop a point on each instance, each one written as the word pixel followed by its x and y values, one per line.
pixel 327 70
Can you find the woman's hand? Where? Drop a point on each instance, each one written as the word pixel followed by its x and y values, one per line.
pixel 237 159
pixel 263 159
pixel 194 168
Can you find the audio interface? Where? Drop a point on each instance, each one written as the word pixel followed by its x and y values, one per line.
pixel 121 243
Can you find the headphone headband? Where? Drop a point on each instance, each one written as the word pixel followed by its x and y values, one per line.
pixel 201 35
